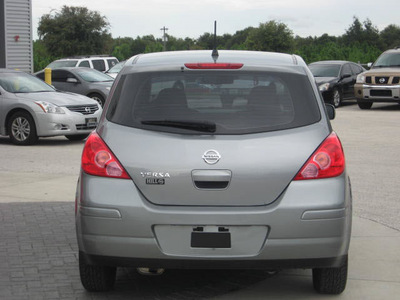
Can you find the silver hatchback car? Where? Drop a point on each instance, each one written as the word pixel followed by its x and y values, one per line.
pixel 223 162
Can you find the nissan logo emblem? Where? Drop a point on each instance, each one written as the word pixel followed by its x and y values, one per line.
pixel 87 109
pixel 211 157
pixel 381 80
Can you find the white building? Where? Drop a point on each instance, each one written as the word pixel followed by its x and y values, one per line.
pixel 16 35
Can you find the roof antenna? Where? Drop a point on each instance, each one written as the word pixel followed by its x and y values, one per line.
pixel 215 51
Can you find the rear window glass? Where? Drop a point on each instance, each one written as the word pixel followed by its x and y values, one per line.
pixel 214 102
pixel 99 64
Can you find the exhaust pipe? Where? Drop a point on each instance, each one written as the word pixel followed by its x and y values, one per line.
pixel 150 271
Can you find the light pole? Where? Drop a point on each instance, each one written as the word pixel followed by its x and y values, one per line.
pixel 164 29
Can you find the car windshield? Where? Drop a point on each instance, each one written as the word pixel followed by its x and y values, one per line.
pixel 23 83
pixel 324 70
pixel 117 67
pixel 214 102
pixel 387 60
pixel 91 75
pixel 62 64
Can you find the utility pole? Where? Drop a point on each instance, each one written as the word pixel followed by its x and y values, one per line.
pixel 164 29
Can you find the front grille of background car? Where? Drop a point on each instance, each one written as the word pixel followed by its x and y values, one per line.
pixel 396 80
pixel 368 79
pixel 382 80
pixel 84 109
pixel 381 93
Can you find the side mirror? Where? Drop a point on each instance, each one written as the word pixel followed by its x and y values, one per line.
pixel 72 80
pixel 369 65
pixel 330 110
pixel 346 75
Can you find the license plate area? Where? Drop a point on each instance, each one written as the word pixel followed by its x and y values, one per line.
pixel 211 240
pixel 91 122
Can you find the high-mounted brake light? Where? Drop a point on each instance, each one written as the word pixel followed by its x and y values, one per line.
pixel 327 161
pixel 213 66
pixel 98 160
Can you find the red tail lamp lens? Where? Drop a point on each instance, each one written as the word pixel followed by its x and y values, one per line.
pixel 214 66
pixel 98 160
pixel 327 161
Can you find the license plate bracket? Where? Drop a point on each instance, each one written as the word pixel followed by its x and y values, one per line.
pixel 91 122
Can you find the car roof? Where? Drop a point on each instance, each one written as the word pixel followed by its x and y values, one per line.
pixel 225 56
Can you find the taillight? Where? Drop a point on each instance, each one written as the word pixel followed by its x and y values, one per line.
pixel 327 161
pixel 213 66
pixel 98 160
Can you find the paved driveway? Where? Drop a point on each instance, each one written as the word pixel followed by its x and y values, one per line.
pixel 38 251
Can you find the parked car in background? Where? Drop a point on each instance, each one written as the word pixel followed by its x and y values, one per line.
pixel 113 72
pixel 30 108
pixel 98 62
pixel 84 81
pixel 336 79
pixel 176 179
pixel 382 82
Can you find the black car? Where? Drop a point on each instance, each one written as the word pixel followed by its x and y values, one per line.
pixel 336 79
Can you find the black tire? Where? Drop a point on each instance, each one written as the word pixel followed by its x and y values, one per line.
pixel 77 137
pixel 22 129
pixel 330 280
pixel 96 278
pixel 336 98
pixel 99 98
pixel 364 105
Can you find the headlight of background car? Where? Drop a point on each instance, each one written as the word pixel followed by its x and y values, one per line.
pixel 360 78
pixel 324 87
pixel 49 107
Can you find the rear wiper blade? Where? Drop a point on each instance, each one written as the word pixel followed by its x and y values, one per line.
pixel 203 126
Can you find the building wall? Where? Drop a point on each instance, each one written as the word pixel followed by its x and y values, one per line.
pixel 16 35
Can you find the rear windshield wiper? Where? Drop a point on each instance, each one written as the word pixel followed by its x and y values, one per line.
pixel 202 126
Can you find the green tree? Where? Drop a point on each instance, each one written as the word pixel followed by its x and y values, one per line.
pixel 391 36
pixel 41 58
pixel 74 31
pixel 271 36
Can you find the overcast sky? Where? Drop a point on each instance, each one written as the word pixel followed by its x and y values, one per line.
pixel 192 18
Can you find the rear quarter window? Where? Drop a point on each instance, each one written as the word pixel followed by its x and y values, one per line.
pixel 237 102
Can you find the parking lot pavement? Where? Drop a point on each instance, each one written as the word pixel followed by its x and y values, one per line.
pixel 38 251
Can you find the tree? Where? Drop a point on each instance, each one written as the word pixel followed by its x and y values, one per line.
pixel 74 31
pixel 271 36
pixel 391 36
pixel 361 33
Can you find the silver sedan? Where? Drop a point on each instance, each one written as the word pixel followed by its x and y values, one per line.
pixel 30 108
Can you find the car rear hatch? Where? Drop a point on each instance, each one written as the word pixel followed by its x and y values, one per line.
pixel 247 170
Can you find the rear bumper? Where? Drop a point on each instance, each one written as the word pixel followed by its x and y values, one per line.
pixel 308 226
pixel 214 264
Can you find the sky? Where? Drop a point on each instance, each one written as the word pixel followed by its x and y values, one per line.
pixel 192 18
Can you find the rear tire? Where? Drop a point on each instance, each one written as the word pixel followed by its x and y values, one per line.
pixel 364 105
pixel 22 129
pixel 96 278
pixel 330 280
pixel 77 137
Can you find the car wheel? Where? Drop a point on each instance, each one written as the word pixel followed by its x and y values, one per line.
pixel 96 278
pixel 336 98
pixel 77 137
pixel 330 280
pixel 364 105
pixel 99 98
pixel 22 129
